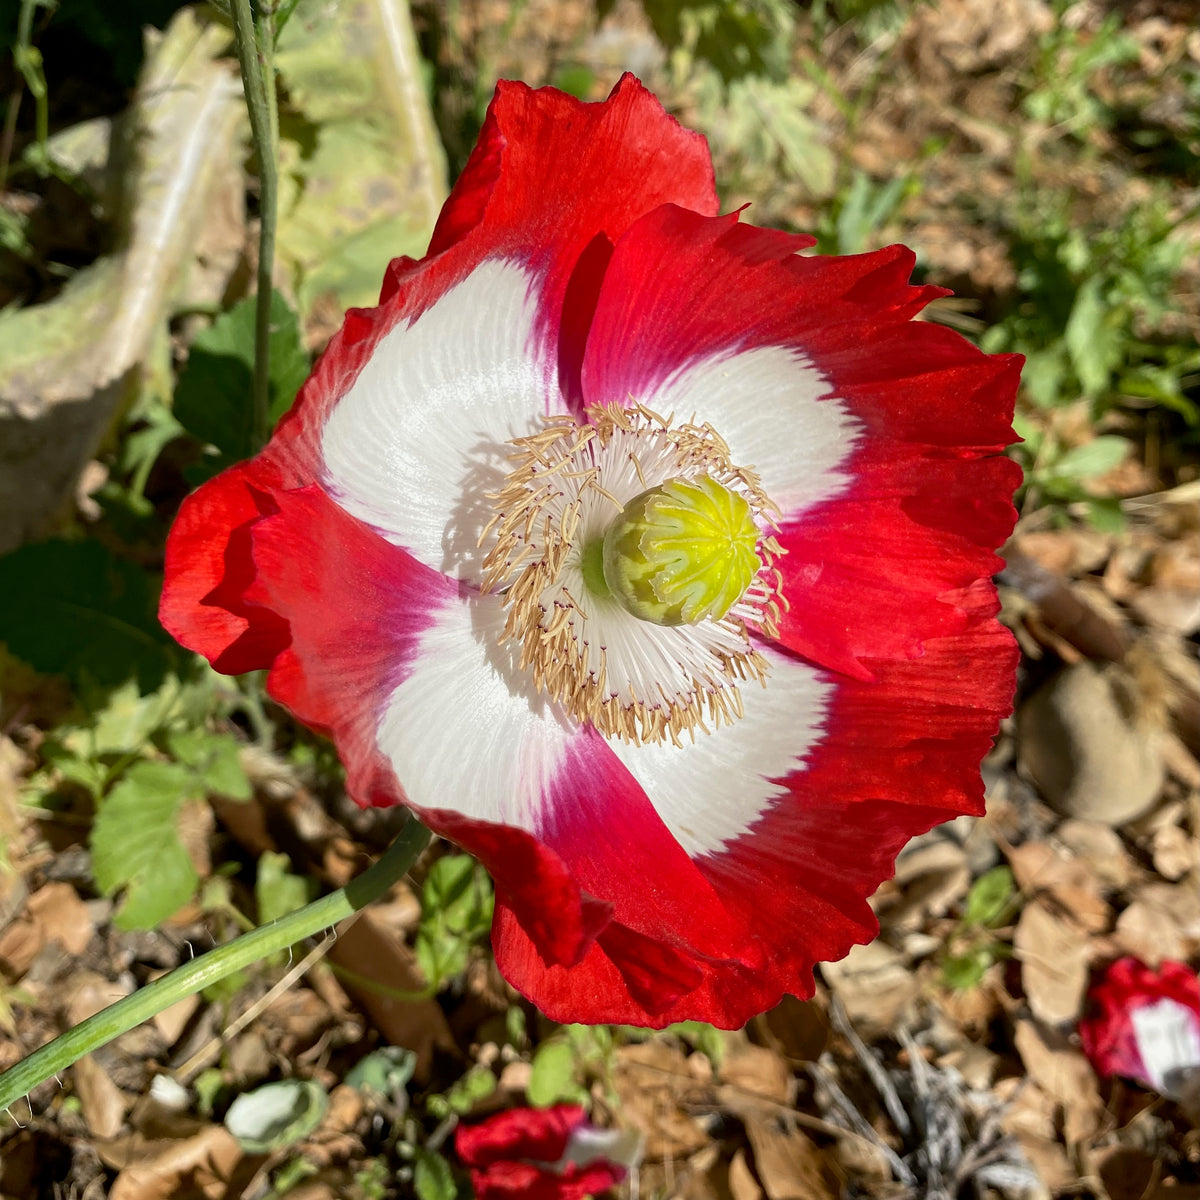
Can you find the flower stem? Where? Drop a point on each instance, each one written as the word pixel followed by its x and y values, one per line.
pixel 185 981
pixel 255 43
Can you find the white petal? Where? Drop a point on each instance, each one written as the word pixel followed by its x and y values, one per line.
pixel 417 441
pixel 466 731
pixel 709 791
pixel 1167 1034
pixel 778 415
pixel 587 1144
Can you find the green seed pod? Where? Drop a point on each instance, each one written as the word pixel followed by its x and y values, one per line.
pixel 681 552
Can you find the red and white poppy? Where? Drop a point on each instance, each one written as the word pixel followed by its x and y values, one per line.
pixel 544 1154
pixel 683 811
pixel 1144 1024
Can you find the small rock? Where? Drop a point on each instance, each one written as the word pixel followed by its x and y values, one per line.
pixel 1088 748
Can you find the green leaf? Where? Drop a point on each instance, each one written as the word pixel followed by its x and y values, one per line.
pixel 704 1037
pixel 128 720
pixel 276 1115
pixel 1091 343
pixel 964 971
pixel 432 1177
pixel 73 765
pixel 135 844
pixel 1044 376
pixel 576 79
pixel 276 891
pixel 865 209
pixel 215 759
pixel 384 1072
pixel 990 897
pixel 553 1075
pixel 456 912
pixel 214 397
pixel 1106 515
pixel 209 1085
pixel 1093 458
pixel 72 608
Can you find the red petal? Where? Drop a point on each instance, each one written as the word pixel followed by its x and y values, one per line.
pixel 524 1181
pixel 874 572
pixel 1107 1032
pixel 551 177
pixel 537 1133
pixel 208 567
pixel 503 1151
pixel 354 605
pixel 901 754
pixel 670 933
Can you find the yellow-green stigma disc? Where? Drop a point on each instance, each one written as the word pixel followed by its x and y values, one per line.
pixel 681 552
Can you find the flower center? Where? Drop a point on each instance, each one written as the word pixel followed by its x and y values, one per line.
pixel 634 558
pixel 681 552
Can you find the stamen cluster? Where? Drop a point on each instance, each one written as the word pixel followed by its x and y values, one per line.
pixel 629 678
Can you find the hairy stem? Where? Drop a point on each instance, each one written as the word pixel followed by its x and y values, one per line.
pixel 185 981
pixel 255 43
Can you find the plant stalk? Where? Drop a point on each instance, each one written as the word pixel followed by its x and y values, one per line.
pixel 185 981
pixel 255 44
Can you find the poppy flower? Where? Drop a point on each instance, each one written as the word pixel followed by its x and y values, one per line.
pixel 544 1154
pixel 1145 1025
pixel 641 555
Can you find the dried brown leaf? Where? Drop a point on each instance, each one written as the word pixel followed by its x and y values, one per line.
pixel 199 1167
pixel 1064 1075
pixel 789 1165
pixel 1071 883
pixel 1175 852
pixel 742 1184
pixel 104 1104
pixel 874 984
pixel 1054 963
pixel 757 1071
pixel 373 952
pixel 655 1083
pixel 797 1029
pixel 1162 922
pixel 1101 847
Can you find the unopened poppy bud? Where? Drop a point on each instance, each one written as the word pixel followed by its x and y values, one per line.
pixel 681 552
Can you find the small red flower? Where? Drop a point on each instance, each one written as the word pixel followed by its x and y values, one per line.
pixel 1145 1025
pixel 684 683
pixel 544 1154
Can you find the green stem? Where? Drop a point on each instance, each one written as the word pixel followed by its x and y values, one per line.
pixel 256 57
pixel 185 981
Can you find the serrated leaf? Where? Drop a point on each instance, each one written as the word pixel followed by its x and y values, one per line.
pixel 276 1115
pixel 73 766
pixel 553 1075
pixel 128 719
pixel 136 847
pixel 215 757
pixel 432 1177
pixel 456 911
pixel 989 897
pixel 214 397
pixel 72 608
